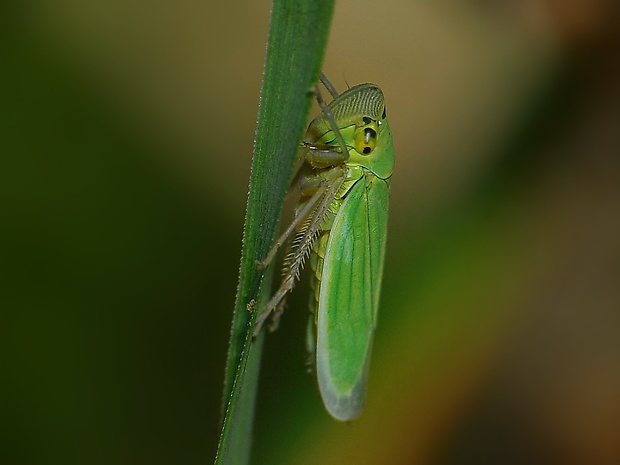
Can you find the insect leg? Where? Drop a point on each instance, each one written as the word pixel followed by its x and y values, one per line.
pixel 328 85
pixel 324 156
pixel 302 244
pixel 330 118
pixel 299 218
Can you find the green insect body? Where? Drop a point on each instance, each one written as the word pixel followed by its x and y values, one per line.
pixel 341 223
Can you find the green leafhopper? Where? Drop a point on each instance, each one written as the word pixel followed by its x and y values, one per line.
pixel 340 223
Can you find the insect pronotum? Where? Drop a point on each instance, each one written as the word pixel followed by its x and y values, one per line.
pixel 340 223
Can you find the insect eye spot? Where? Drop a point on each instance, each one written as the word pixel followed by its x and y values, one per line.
pixel 369 134
pixel 365 140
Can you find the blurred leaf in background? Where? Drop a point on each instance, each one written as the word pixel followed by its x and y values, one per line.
pixel 122 197
pixel 126 137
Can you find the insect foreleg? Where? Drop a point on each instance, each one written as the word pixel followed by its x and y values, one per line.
pixel 330 117
pixel 325 156
pixel 328 85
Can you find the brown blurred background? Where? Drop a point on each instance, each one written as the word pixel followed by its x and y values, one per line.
pixel 126 133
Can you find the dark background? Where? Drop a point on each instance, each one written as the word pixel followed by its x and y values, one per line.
pixel 126 133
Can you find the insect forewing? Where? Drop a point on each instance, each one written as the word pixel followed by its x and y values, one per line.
pixel 349 297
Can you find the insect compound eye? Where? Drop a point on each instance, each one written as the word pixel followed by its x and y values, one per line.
pixel 366 138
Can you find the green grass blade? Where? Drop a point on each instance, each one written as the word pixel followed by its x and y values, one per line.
pixel 295 49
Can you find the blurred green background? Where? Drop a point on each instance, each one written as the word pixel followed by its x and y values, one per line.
pixel 126 132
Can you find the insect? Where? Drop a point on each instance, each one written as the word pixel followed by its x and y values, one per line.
pixel 340 224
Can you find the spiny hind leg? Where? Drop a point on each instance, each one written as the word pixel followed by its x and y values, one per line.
pixel 319 188
pixel 313 186
pixel 313 218
pixel 307 212
pixel 275 306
